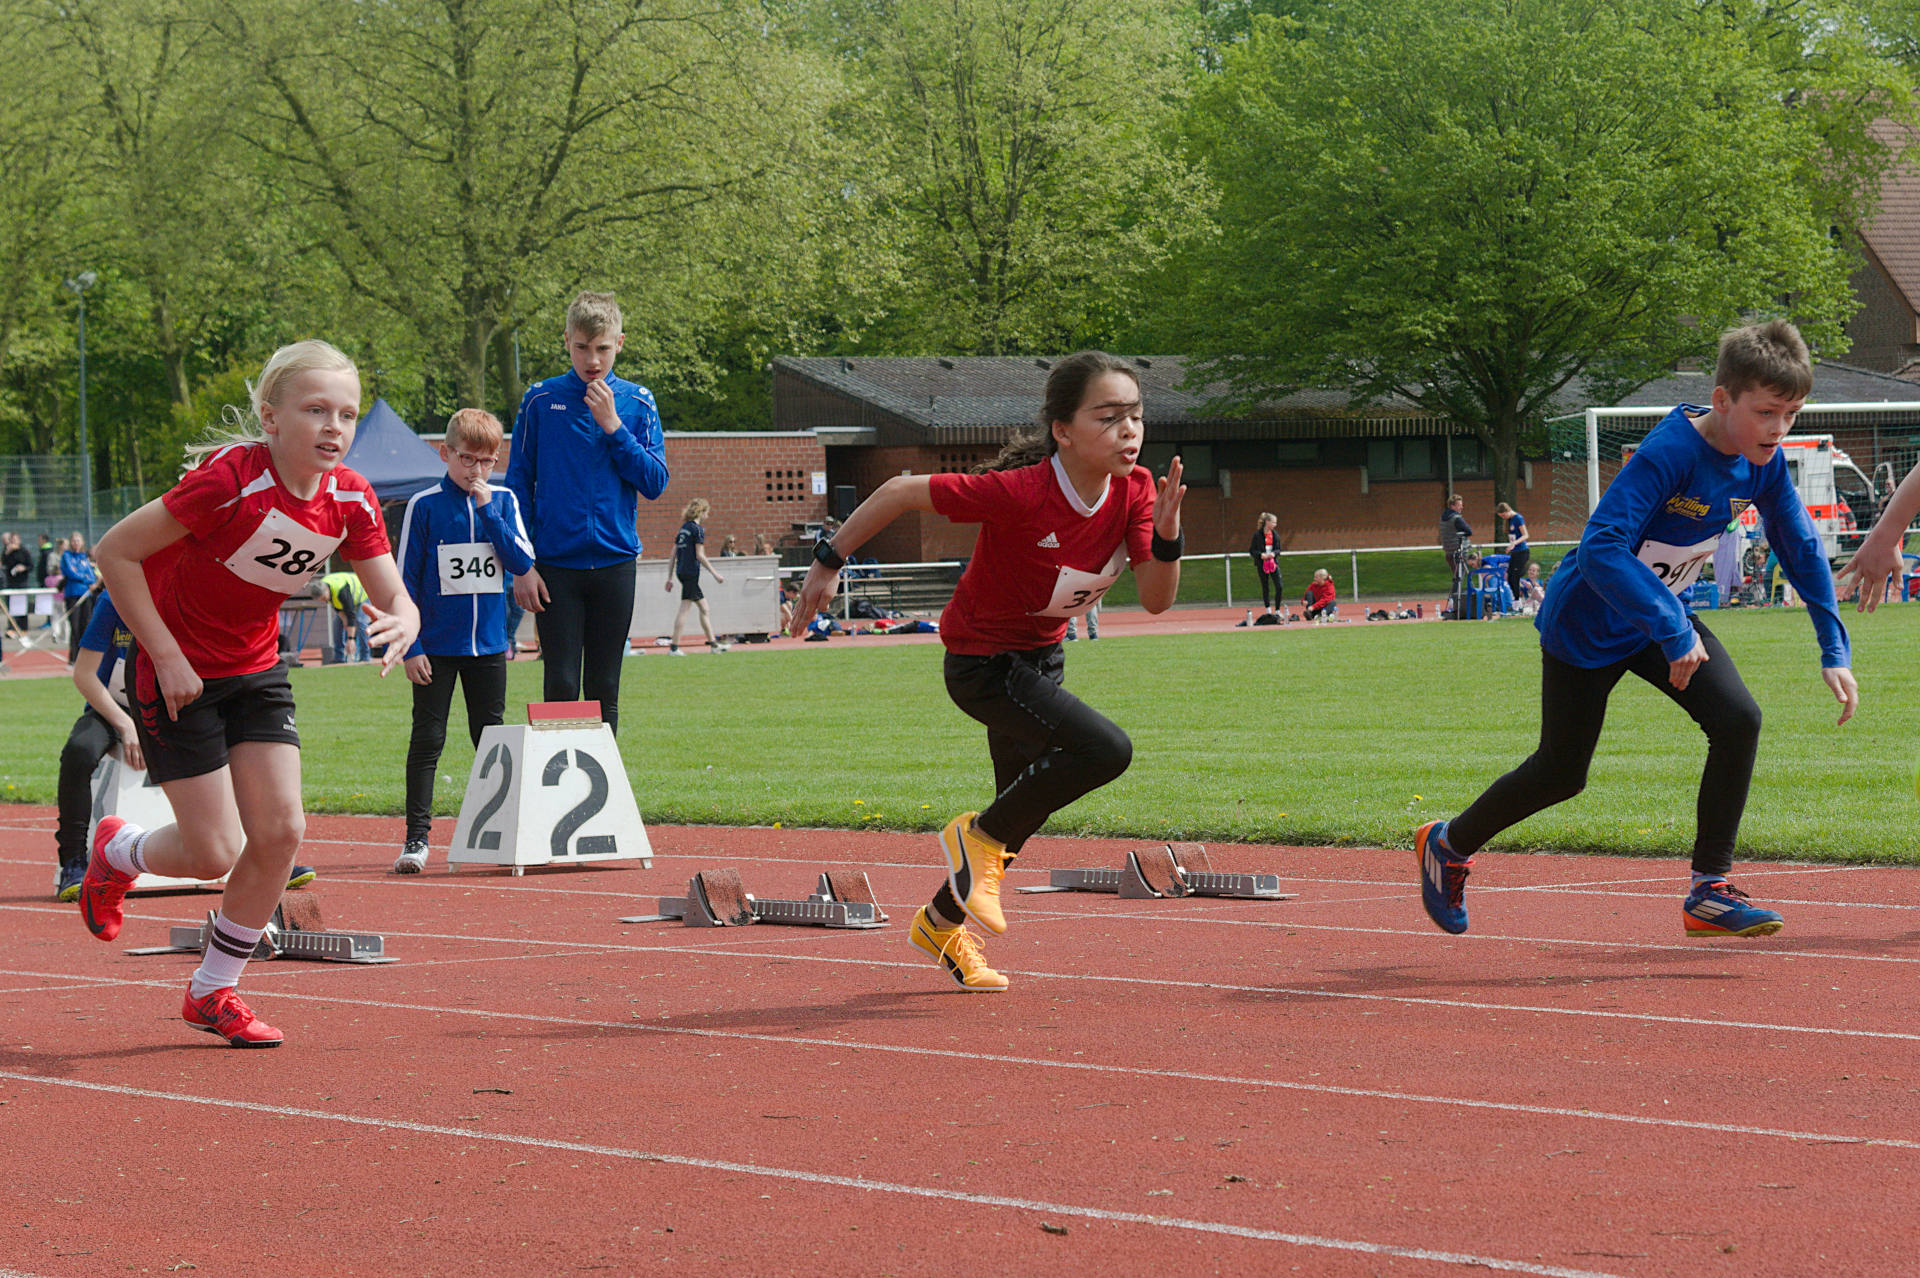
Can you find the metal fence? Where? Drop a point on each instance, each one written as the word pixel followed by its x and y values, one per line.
pixel 43 495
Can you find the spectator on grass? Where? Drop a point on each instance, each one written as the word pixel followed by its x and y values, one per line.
pixel 17 564
pixel 1319 603
pixel 1455 536
pixel 1518 555
pixel 1264 550
pixel 79 583
pixel 1526 599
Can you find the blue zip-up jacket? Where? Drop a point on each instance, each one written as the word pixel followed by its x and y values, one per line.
pixel 79 572
pixel 579 487
pixel 454 624
pixel 1656 525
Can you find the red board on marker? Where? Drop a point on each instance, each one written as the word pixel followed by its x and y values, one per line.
pixel 563 711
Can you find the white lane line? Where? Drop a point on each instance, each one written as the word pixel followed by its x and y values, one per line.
pixel 1404 1000
pixel 1093 1067
pixel 1728 947
pixel 831 1181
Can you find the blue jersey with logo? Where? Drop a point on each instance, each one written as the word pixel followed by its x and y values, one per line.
pixel 455 558
pixel 1654 529
pixel 109 635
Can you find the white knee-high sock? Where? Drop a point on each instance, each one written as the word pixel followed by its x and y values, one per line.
pixel 228 949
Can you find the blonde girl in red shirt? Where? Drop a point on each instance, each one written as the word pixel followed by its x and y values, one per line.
pixel 199 575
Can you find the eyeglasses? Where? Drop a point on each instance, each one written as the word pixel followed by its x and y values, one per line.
pixel 468 459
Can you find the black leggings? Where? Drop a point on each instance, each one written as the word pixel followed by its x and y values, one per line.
pixel 585 624
pixel 87 744
pixel 78 617
pixel 1269 581
pixel 1048 746
pixel 1573 705
pixel 1517 568
pixel 484 680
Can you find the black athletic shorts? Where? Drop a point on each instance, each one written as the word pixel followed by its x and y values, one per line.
pixel 690 591
pixel 250 707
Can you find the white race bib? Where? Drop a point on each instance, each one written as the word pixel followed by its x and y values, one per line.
pixel 282 555
pixel 1075 592
pixel 469 568
pixel 1676 566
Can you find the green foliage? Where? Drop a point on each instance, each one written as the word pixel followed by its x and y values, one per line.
pixel 1471 206
pixel 1346 735
pixel 1018 146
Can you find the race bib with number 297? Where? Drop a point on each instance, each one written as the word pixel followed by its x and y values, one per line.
pixel 1676 566
pixel 282 554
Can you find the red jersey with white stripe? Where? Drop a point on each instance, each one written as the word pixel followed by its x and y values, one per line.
pixel 250 543
pixel 1042 555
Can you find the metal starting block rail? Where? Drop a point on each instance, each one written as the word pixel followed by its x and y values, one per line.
pixel 294 932
pixel 1173 870
pixel 718 898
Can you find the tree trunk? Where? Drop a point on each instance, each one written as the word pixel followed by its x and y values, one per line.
pixel 511 387
pixel 172 354
pixel 471 371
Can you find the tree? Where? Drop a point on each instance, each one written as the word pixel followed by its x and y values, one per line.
pixel 1018 147
pixel 1473 205
pixel 467 164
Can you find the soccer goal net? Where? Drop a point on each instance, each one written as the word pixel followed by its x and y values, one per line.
pixel 1846 460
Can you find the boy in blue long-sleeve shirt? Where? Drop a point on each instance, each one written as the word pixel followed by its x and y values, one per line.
pixel 1616 605
pixel 586 447
pixel 458 541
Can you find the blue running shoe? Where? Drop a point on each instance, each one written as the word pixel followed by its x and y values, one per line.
pixel 1443 878
pixel 1718 908
pixel 301 875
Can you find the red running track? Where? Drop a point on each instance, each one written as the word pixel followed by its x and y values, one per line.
pixel 1323 1086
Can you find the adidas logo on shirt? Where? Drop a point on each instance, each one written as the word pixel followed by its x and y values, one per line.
pixel 1049 542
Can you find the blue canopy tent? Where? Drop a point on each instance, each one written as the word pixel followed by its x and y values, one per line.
pixel 397 462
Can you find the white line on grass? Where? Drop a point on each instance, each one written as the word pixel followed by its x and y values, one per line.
pixel 828 1180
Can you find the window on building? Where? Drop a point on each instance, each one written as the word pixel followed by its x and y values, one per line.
pixel 1424 458
pixel 787 485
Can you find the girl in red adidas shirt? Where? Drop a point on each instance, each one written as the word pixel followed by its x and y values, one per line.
pixel 199 576
pixel 1060 516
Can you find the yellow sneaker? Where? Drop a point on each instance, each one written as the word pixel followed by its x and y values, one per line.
pixel 974 866
pixel 957 950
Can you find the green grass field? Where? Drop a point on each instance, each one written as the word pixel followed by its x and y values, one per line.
pixel 1348 735
pixel 1385 575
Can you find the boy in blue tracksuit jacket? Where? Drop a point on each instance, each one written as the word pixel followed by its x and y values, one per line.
pixel 586 446
pixel 459 540
pixel 1615 605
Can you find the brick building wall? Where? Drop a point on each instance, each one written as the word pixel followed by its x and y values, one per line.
pixel 758 482
pixel 1882 331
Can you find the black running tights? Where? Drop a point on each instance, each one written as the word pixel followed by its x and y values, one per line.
pixel 584 629
pixel 1573 705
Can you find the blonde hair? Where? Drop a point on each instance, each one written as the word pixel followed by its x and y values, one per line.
pixel 593 315
pixel 474 427
pixel 696 509
pixel 243 427
pixel 1771 355
pixel 1268 517
pixel 1321 574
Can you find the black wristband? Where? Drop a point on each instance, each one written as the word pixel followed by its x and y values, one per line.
pixel 824 552
pixel 1169 552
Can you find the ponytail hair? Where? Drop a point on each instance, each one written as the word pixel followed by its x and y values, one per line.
pixel 1067 385
pixel 243 427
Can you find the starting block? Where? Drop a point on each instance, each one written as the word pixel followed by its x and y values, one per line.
pixel 551 791
pixel 718 898
pixel 1172 870
pixel 294 931
pixel 127 793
